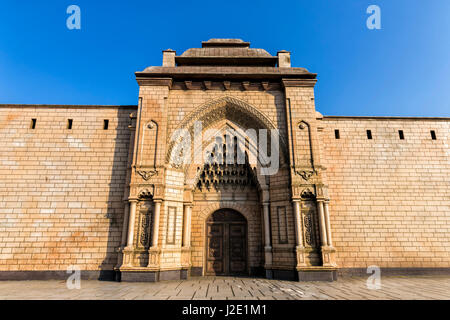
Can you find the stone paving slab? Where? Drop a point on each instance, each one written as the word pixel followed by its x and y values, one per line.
pixel 231 288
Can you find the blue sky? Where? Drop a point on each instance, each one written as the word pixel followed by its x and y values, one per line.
pixel 401 70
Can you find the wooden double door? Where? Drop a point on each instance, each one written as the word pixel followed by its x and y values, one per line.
pixel 226 243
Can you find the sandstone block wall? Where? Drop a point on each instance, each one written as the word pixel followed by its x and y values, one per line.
pixel 390 198
pixel 62 189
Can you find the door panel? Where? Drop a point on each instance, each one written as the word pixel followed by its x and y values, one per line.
pixel 226 244
pixel 215 256
pixel 237 247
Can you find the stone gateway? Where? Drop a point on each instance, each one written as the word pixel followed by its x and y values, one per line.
pixel 180 185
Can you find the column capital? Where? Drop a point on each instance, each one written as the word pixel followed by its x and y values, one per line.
pixel 188 204
pixel 158 200
pixel 133 199
pixel 266 203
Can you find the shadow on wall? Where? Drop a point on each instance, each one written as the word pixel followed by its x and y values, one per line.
pixel 118 187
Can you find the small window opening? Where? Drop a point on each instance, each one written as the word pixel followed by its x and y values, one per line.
pixel 433 134
pixel 33 124
pixel 336 134
pixel 69 124
pixel 401 135
pixel 369 134
pixel 105 124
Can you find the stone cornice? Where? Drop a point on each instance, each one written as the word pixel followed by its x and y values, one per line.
pixel 154 81
pixel 298 82
pixel 243 73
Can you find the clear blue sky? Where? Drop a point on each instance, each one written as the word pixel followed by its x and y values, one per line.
pixel 402 69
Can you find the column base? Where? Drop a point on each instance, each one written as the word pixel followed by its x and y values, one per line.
pixel 301 256
pixel 186 257
pixel 153 257
pixel 328 259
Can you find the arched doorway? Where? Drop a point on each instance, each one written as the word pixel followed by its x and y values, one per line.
pixel 226 243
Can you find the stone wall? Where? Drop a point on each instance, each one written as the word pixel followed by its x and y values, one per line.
pixel 62 189
pixel 390 198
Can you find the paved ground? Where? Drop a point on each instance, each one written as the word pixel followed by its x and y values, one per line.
pixel 411 287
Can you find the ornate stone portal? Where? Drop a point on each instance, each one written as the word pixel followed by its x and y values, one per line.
pixel 192 184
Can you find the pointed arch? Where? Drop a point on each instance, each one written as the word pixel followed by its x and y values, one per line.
pixel 229 108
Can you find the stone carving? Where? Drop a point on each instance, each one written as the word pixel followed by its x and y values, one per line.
pixel 226 175
pixel 322 191
pixel 146 194
pixel 207 84
pixel 188 84
pixel 144 236
pixel 147 174
pixel 153 258
pixel 230 108
pixel 218 173
pixel 305 174
pixel 307 194
pixel 308 229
